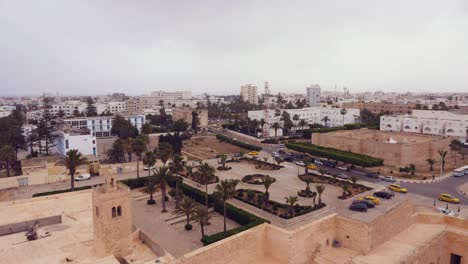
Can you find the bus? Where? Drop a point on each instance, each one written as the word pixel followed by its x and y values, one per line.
pixel 460 171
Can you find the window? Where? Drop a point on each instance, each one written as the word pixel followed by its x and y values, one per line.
pixel 114 212
pixel 66 144
pixel 119 210
pixel 97 211
pixel 455 259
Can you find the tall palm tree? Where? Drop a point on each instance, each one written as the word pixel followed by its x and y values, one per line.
pixel 326 119
pixel 431 163
pixel 255 126
pixel 149 160
pixel 412 168
pixel 291 201
pixel 223 158
pixel 320 188
pixel 302 124
pixel 345 188
pixel 165 151
pixel 455 146
pixel 262 123
pixel 139 146
pixel 150 188
pixel 128 146
pixel 295 119
pixel 442 155
pixel 276 126
pixel 354 179
pixel 225 190
pixel 202 216
pixel 322 172
pixel 206 174
pixel 186 208
pixel 267 182
pixel 308 180
pixel 343 113
pixel 307 161
pixel 72 160
pixel 162 175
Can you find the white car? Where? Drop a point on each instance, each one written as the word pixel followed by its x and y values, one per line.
pixel 317 161
pixel 343 168
pixel 388 179
pixel 342 176
pixel 300 163
pixel 83 177
pixel 275 154
pixel 148 168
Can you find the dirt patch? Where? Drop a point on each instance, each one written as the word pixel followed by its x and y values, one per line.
pixel 208 148
pixel 4 196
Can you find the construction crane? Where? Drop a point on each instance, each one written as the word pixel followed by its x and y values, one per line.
pixel 266 94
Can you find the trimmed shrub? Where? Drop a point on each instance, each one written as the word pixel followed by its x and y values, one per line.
pixel 238 143
pixel 336 154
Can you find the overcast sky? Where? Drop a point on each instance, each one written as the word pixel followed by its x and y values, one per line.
pixel 97 47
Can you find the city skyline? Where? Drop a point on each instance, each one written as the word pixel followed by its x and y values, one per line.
pixel 99 48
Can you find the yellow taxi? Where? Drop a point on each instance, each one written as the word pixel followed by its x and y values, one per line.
pixel 370 198
pixel 448 198
pixel 311 167
pixel 397 188
pixel 253 153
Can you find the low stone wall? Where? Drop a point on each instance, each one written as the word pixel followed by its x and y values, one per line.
pixel 32 179
pixel 158 250
pixel 24 226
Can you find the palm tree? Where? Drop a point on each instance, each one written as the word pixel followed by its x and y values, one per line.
pixel 345 188
pixel 139 146
pixel 302 124
pixel 150 188
pixel 308 179
pixel 262 123
pixel 320 188
pixel 343 113
pixel 165 151
pixel 149 160
pixel 431 163
pixel 295 119
pixel 276 126
pixel 267 182
pixel 442 155
pixel 279 160
pixel 225 190
pixel 455 146
pixel 223 158
pixel 354 179
pixel 291 201
pixel 128 146
pixel 186 208
pixel 265 159
pixel 326 119
pixel 322 171
pixel 162 175
pixel 206 174
pixel 202 217
pixel 307 161
pixel 72 160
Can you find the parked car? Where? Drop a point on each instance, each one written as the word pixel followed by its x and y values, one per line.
pixel 311 167
pixel 372 175
pixel 83 177
pixel 388 179
pixel 368 204
pixel 343 168
pixel 329 164
pixel 448 198
pixel 397 188
pixel 253 153
pixel 281 145
pixel 288 158
pixel 342 176
pixel 148 168
pixel 275 154
pixel 319 162
pixel 383 194
pixel 360 207
pixel 300 163
pixel 282 151
pixel 299 156
pixel 371 199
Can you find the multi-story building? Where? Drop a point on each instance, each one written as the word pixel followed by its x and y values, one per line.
pixel 116 107
pixel 81 139
pixel 249 93
pixel 101 126
pixel 313 95
pixel 68 107
pixel 427 122
pixel 381 107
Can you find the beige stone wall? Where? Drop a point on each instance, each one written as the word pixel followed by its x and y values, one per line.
pixel 353 234
pixel 103 144
pixel 185 113
pixel 410 149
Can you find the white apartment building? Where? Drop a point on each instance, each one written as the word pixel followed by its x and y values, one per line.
pixel 101 126
pixel 116 107
pixel 249 93
pixel 313 95
pixel 312 115
pixel 427 122
pixel 81 139
pixel 68 107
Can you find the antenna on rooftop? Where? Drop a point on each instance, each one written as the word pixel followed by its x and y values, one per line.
pixel 266 132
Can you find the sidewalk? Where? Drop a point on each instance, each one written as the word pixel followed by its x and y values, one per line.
pixel 437 179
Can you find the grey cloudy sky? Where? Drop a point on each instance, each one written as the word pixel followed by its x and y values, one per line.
pixel 214 46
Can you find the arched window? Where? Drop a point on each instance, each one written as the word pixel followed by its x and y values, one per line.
pixel 97 211
pixel 407 127
pixel 114 212
pixel 112 182
pixel 389 125
pixel 427 129
pixel 449 130
pixel 119 210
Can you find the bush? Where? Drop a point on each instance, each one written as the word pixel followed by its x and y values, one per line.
pixel 238 143
pixel 336 154
pixel 61 191
pixel 321 129
pixel 188 227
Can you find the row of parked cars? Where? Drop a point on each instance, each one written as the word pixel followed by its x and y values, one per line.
pixel 367 202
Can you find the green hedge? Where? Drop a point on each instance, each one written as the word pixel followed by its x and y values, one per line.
pixel 307 132
pixel 238 143
pixel 61 191
pixel 336 154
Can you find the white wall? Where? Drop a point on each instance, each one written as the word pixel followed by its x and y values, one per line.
pixel 86 144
